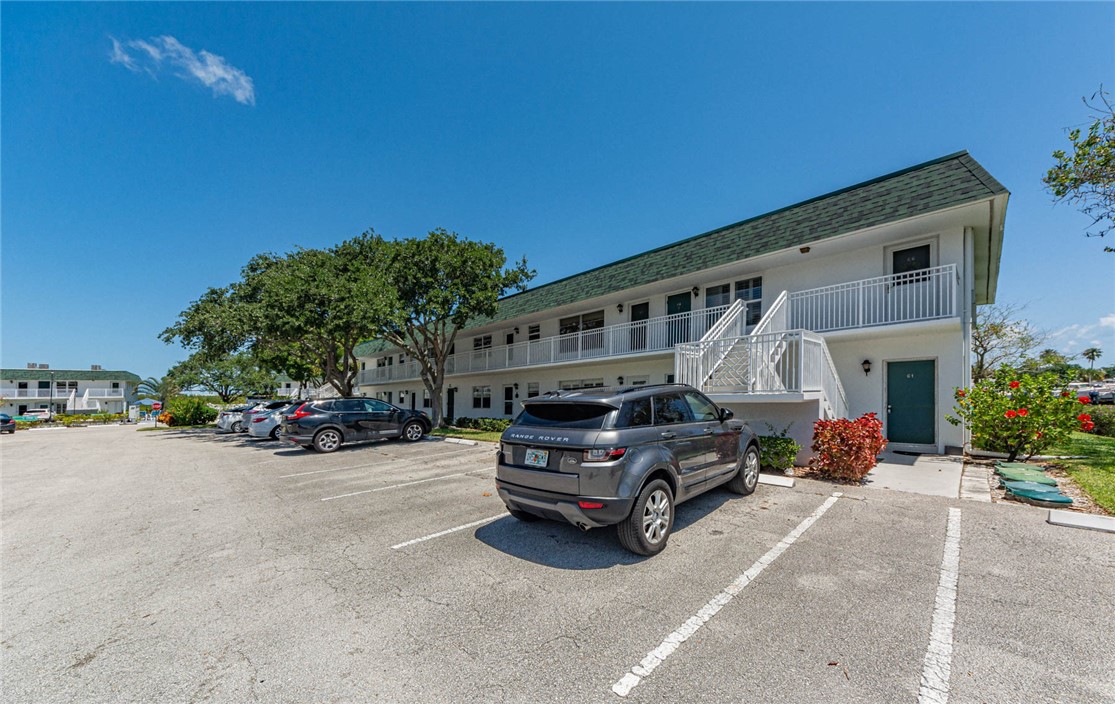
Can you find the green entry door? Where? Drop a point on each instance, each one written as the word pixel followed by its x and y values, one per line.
pixel 912 402
pixel 678 325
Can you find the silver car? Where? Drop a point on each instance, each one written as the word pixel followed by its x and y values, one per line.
pixel 261 408
pixel 229 420
pixel 269 425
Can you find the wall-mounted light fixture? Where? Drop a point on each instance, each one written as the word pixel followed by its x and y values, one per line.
pixel 696 291
pixel 620 380
pixel 516 329
pixel 804 250
pixel 619 307
pixel 866 366
pixel 516 386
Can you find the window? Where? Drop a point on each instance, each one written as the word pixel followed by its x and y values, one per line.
pixel 380 362
pixel 534 332
pixel 509 338
pixel 426 398
pixel 564 415
pixel 904 262
pixel 532 389
pixel 718 295
pixel 634 413
pixel 670 408
pixel 573 384
pixel 483 342
pixel 701 408
pixel 482 396
pixel 116 385
pixel 374 406
pixel 751 290
pixel 638 380
pixel 391 360
pixel 348 405
pixel 389 397
pixel 669 378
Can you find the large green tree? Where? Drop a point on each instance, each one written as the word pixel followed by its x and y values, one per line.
pixel 1085 176
pixel 441 282
pixel 228 376
pixel 301 313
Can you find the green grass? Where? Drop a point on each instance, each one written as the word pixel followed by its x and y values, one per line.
pixel 467 434
pixel 1096 474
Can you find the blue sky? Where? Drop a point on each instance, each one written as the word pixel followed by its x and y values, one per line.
pixel 148 150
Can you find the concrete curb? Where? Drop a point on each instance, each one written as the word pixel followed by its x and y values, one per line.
pixel 455 441
pixel 975 483
pixel 771 480
pixel 1087 521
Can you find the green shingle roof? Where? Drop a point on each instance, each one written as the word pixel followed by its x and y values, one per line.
pixel 949 181
pixel 67 375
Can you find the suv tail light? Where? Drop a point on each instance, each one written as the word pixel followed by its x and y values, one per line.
pixel 301 412
pixel 604 454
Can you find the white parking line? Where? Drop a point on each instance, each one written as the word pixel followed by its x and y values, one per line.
pixel 482 521
pixel 671 643
pixel 331 469
pixel 938 656
pixel 396 486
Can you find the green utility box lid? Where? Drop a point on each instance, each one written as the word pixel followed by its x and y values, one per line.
pixel 1019 465
pixel 1025 475
pixel 1025 490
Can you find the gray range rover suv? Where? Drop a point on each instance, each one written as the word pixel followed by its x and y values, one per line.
pixel 624 457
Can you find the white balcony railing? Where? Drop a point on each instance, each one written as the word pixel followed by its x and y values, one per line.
pixel 653 335
pixel 927 294
pixel 65 393
pixel 792 361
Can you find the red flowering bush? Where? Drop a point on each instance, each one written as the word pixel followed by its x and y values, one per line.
pixel 847 449
pixel 1020 415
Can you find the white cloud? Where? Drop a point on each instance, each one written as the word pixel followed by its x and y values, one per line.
pixel 1074 339
pixel 207 68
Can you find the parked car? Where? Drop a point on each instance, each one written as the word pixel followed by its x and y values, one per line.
pixel 1106 394
pixel 42 414
pixel 261 408
pixel 269 425
pixel 229 420
pixel 622 457
pixel 7 423
pixel 327 424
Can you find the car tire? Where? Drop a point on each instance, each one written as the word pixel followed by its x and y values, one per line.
pixel 274 434
pixel 413 431
pixel 327 440
pixel 647 529
pixel 523 515
pixel 236 426
pixel 747 478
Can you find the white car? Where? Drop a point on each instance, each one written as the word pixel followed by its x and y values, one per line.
pixel 43 414
pixel 229 419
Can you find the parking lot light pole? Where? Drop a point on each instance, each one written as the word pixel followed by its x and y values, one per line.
pixel 50 404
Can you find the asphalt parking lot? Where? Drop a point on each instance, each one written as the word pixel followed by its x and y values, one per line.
pixel 182 566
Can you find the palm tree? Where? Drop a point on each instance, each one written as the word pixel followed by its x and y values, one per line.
pixel 1091 354
pixel 163 389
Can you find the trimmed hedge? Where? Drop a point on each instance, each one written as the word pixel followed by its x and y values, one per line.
pixel 491 425
pixel 188 410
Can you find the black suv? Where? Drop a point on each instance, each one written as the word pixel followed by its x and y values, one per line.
pixel 326 425
pixel 622 457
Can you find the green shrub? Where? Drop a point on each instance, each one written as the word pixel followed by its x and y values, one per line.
pixel 491 425
pixel 188 410
pixel 1103 417
pixel 1020 414
pixel 778 451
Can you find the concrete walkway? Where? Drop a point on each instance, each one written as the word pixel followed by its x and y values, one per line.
pixel 935 475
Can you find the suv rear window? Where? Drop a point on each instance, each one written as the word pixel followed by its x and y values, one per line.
pixel 587 416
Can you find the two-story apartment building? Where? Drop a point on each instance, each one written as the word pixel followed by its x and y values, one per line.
pixel 857 301
pixel 66 390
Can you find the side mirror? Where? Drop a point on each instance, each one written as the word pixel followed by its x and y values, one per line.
pixel 726 414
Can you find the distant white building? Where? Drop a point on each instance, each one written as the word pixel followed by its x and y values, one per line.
pixel 66 390
pixel 857 301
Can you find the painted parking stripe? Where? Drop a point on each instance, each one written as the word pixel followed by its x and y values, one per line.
pixel 331 469
pixel 420 481
pixel 938 656
pixel 466 526
pixel 671 642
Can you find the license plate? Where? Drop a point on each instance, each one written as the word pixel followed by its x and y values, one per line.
pixel 537 458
